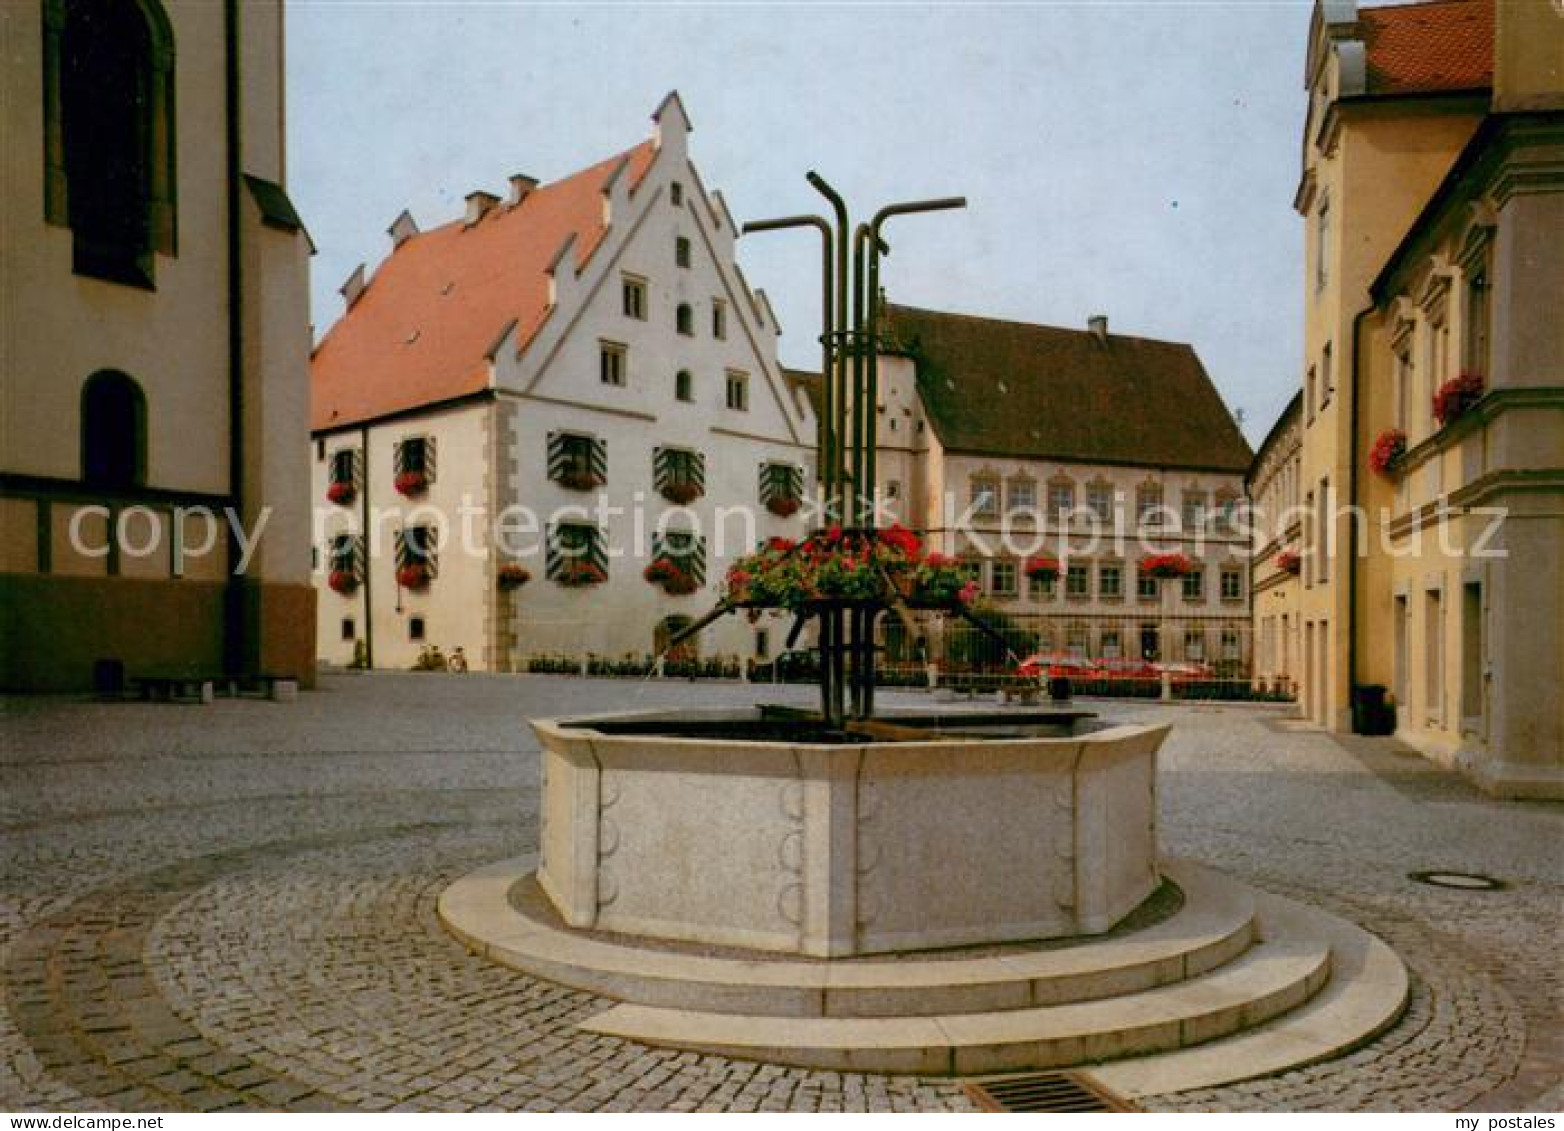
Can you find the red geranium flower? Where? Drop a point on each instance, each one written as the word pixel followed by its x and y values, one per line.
pixel 1166 565
pixel 344 581
pixel 1041 567
pixel 1457 395
pixel 340 492
pixel 783 506
pixel 413 576
pixel 411 482
pixel 1387 451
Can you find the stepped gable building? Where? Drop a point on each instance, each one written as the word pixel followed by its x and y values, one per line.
pixel 154 312
pixel 1434 205
pixel 592 336
pixel 1082 443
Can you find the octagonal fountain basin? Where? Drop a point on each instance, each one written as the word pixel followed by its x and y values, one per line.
pixel 745 829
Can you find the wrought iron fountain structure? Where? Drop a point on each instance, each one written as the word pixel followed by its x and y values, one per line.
pixel 846 443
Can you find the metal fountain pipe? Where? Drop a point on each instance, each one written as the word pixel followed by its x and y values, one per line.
pixel 838 376
pixel 860 432
pixel 826 439
pixel 878 247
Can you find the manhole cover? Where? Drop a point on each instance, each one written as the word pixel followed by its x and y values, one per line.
pixel 1461 881
pixel 1043 1091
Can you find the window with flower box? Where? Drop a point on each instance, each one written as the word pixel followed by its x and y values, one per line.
pixel 1042 586
pixel 577 462
pixel 417 555
pixel 575 554
pixel 781 488
pixel 413 460
pixel 345 562
pixel 678 562
pixel 347 476
pixel 679 474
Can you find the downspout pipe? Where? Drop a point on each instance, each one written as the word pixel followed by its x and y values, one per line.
pixel 1352 498
pixel 235 618
pixel 369 578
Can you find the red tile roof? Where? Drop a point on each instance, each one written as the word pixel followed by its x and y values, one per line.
pixel 1423 48
pixel 421 332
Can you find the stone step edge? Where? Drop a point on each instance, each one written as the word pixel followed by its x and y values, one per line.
pixel 1266 982
pixel 1215 925
pixel 1366 996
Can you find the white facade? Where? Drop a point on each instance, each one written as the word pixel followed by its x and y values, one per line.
pixel 494 450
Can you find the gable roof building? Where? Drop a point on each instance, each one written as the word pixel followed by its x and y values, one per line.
pixel 583 352
pixel 993 387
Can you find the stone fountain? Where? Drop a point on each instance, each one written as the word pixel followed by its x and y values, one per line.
pixel 910 891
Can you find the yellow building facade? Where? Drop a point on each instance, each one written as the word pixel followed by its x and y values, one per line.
pixel 155 317
pixel 1435 227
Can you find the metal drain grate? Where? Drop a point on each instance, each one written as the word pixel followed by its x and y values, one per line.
pixel 1460 881
pixel 1043 1091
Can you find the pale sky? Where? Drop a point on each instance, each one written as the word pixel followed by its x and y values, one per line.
pixel 1132 159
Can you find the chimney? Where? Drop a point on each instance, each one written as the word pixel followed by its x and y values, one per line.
pixel 479 203
pixel 354 287
pixel 402 229
pixel 520 186
pixel 1098 325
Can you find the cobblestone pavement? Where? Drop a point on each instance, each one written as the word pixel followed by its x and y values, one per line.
pixel 231 907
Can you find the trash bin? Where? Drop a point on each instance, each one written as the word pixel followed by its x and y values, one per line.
pixel 1370 713
pixel 108 678
pixel 1059 689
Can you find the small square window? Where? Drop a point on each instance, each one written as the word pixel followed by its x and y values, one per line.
pixel 738 392
pixel 681 251
pixel 611 364
pixel 635 298
pixel 1002 578
pixel 415 628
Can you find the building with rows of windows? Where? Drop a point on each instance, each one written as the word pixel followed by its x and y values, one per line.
pixel 1009 444
pixel 1433 398
pixel 542 429
pixel 1276 522
pixel 154 315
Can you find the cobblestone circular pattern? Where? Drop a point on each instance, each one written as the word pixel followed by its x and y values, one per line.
pixel 265 938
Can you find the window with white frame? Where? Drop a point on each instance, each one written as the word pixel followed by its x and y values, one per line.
pixel 1022 494
pixel 738 391
pixel 983 495
pixel 1099 499
pixel 611 363
pixel 633 295
pixel 1002 578
pixel 1061 499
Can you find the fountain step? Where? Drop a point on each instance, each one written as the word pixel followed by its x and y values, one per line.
pixel 1268 980
pixel 1365 996
pixel 1215 925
